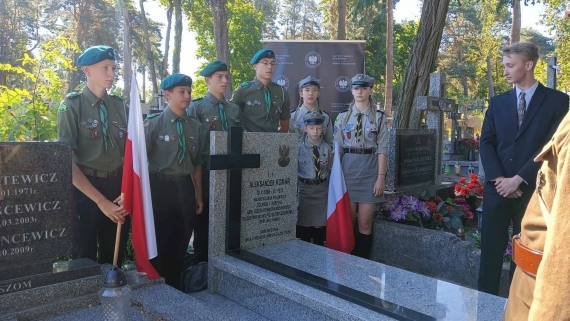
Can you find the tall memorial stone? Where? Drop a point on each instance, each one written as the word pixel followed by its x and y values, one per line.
pixel 36 228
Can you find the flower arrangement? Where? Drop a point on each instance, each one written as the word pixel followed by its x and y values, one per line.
pixel 448 213
pixel 469 188
pixel 472 143
pixel 406 208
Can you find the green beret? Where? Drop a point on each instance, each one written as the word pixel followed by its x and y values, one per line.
pixel 95 54
pixel 175 81
pixel 309 81
pixel 262 53
pixel 213 67
pixel 314 118
pixel 362 80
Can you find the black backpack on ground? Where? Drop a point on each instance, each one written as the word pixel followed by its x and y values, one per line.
pixel 195 278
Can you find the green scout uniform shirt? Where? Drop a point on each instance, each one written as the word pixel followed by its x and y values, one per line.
pixel 250 98
pixel 80 126
pixel 207 110
pixel 296 124
pixel 162 144
pixel 306 160
pixel 374 131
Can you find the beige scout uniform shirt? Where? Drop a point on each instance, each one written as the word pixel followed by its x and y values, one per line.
pixel 80 126
pixel 306 160
pixel 206 109
pixel 374 132
pixel 162 144
pixel 296 124
pixel 547 296
pixel 254 117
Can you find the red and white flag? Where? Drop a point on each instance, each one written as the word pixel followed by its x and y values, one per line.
pixel 340 232
pixel 136 188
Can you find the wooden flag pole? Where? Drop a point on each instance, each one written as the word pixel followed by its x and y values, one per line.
pixel 118 239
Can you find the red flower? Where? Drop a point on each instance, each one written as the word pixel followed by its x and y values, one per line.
pixel 479 191
pixel 473 176
pixel 458 188
pixel 465 191
pixel 432 207
pixel 471 185
pixel 437 217
pixel 462 180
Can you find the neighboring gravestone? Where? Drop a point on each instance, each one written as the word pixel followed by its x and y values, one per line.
pixel 412 159
pixel 36 227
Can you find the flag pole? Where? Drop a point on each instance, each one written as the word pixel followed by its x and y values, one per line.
pixel 117 239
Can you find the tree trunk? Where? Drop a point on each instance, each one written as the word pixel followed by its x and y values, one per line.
pixel 516 26
pixel 490 77
pixel 420 63
pixel 167 40
pixel 126 54
pixel 144 83
pixel 341 32
pixel 221 36
pixel 462 65
pixel 389 57
pixel 150 56
pixel 177 37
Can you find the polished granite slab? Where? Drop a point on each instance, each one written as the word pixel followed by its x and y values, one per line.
pixel 438 299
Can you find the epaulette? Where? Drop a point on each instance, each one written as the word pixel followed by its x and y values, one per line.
pixel 117 97
pixel 245 84
pixel 344 111
pixel 196 119
pixel 294 110
pixel 151 116
pixel 197 98
pixel 323 111
pixel 71 95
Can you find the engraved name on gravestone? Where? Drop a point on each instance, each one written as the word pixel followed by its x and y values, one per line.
pixel 35 202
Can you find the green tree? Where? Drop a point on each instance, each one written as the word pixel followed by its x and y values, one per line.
pixel 554 18
pixel 269 11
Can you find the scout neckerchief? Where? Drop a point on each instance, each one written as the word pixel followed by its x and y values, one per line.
pixel 223 118
pixel 181 140
pixel 316 161
pixel 105 124
pixel 358 126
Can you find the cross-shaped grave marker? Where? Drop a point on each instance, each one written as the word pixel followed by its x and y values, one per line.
pixel 435 105
pixel 159 98
pixel 234 162
pixel 551 71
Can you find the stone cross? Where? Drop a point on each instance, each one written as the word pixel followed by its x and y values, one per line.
pixel 234 162
pixel 551 71
pixel 159 99
pixel 435 105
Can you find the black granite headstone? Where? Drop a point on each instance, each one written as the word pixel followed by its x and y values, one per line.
pixel 36 217
pixel 416 159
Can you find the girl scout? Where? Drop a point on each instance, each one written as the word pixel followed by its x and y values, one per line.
pixel 309 91
pixel 314 169
pixel 94 125
pixel 363 138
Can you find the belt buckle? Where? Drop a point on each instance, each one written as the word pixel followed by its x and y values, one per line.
pixel 101 174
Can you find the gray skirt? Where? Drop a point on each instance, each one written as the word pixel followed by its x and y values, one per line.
pixel 313 204
pixel 360 174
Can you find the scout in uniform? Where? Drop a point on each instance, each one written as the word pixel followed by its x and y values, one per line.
pixel 540 289
pixel 174 143
pixel 94 125
pixel 315 160
pixel 362 136
pixel 216 114
pixel 309 91
pixel 264 105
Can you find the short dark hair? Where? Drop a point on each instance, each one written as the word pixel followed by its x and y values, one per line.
pixel 526 49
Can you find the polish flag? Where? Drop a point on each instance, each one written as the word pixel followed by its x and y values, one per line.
pixel 136 188
pixel 340 232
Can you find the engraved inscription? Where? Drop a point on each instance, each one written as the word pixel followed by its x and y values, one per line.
pixel 16 286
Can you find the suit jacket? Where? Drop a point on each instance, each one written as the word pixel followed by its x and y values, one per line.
pixel 507 150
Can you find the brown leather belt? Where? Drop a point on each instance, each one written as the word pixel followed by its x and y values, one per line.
pixel 359 150
pixel 101 174
pixel 525 258
pixel 308 181
pixel 170 178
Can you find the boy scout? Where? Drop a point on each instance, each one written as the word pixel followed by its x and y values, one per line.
pixel 309 91
pixel 264 105
pixel 362 136
pixel 314 167
pixel 540 286
pixel 94 125
pixel 174 143
pixel 216 114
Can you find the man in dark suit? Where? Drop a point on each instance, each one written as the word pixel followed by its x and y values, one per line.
pixel 517 125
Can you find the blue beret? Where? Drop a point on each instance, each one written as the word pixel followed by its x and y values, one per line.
pixel 175 81
pixel 213 67
pixel 95 54
pixel 309 81
pixel 313 118
pixel 262 53
pixel 362 80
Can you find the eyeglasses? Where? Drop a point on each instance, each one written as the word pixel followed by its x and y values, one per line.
pixel 265 63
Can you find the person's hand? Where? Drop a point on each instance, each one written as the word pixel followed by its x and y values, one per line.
pixel 379 186
pixel 199 206
pixel 508 186
pixel 518 193
pixel 120 201
pixel 112 211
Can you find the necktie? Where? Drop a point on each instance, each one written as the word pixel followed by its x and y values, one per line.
pixel 105 125
pixel 316 161
pixel 267 95
pixel 223 118
pixel 181 140
pixel 358 126
pixel 522 107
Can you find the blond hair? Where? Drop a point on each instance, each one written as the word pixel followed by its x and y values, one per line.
pixel 527 50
